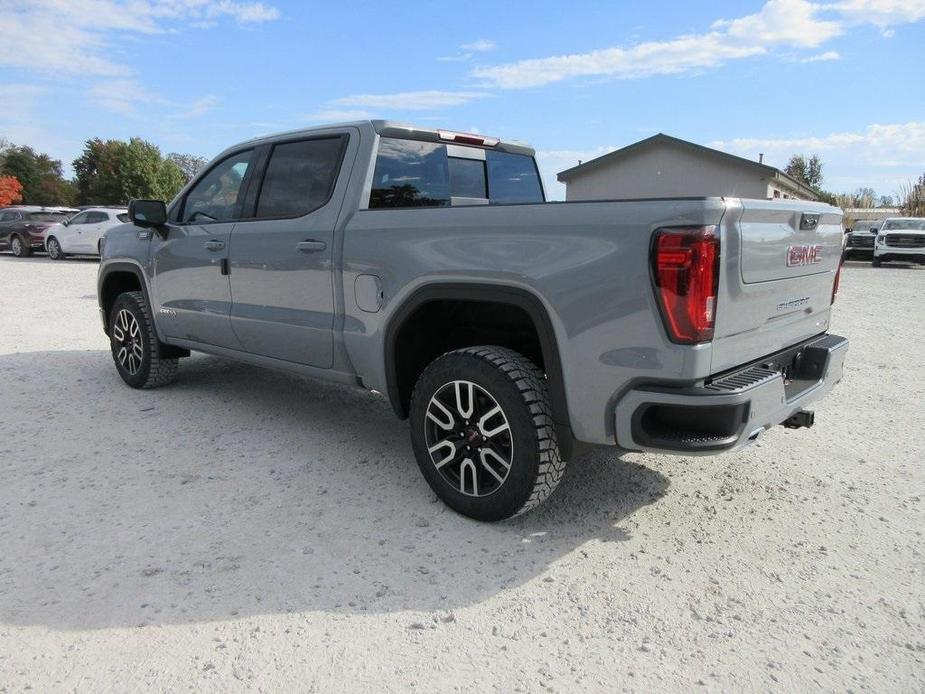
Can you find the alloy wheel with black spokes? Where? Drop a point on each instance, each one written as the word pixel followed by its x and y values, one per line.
pixel 136 351
pixel 469 438
pixel 483 433
pixel 127 334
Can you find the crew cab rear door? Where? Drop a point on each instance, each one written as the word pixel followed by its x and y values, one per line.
pixel 282 255
pixel 779 264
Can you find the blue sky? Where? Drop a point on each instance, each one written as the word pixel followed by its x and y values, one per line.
pixel 575 79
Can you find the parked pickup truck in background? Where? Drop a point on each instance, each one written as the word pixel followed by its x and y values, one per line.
pixel 426 265
pixel 859 240
pixel 900 238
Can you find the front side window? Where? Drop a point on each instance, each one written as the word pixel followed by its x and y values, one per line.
pixel 215 197
pixel 410 174
pixel 79 218
pixel 300 177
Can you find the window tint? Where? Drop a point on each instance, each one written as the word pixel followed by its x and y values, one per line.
pixel 123 218
pixel 410 174
pixel 467 178
pixel 8 216
pixel 300 177
pixel 215 197
pixel 512 178
pixel 97 217
pixel 79 218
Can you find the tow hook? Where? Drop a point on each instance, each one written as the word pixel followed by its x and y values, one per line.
pixel 798 420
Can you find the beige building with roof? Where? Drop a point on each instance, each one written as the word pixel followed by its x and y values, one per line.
pixel 666 167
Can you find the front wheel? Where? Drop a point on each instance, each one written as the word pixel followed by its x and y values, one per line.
pixel 136 350
pixel 20 248
pixel 876 262
pixel 54 249
pixel 483 433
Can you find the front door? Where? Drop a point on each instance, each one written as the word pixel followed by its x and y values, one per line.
pixel 281 259
pixel 190 258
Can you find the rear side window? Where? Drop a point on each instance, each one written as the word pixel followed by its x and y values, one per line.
pixel 300 177
pixel 47 217
pixel 421 174
pixel 512 178
pixel 410 174
pixel 97 217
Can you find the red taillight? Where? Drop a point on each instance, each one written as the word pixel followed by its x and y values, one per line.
pixel 685 265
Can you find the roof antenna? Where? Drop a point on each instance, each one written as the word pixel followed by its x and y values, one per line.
pixel 761 157
pixel 579 162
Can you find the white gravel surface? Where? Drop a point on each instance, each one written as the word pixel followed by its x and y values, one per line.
pixel 246 530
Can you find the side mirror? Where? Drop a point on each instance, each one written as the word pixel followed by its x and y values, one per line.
pixel 147 213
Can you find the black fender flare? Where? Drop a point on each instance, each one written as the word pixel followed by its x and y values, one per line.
pixel 112 268
pixel 498 293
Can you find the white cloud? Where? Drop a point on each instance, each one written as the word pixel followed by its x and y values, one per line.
pixel 410 101
pixel 480 46
pixel 880 155
pixel 779 24
pixel 63 37
pixel 822 57
pixel 881 13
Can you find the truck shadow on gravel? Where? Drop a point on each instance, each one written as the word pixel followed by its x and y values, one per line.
pixel 239 491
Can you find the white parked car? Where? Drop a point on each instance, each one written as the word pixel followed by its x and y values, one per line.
pixel 901 238
pixel 82 234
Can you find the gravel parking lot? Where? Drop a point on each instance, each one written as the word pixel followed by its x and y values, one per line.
pixel 243 529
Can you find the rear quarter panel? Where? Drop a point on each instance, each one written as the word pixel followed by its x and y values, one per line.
pixel 587 262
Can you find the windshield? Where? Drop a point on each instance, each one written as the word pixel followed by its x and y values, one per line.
pixel 47 216
pixel 901 224
pixel 864 225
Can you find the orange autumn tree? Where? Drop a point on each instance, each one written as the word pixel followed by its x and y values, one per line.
pixel 10 190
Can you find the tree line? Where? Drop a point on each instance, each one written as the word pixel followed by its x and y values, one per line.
pixel 107 172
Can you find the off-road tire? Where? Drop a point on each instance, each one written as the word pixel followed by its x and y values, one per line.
pixel 154 370
pixel 20 248
pixel 519 387
pixel 53 247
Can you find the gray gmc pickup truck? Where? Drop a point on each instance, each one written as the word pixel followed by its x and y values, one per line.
pixel 427 265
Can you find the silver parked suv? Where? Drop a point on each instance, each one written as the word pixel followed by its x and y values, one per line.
pixel 425 264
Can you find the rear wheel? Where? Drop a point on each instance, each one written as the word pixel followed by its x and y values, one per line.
pixel 54 249
pixel 20 248
pixel 136 350
pixel 483 433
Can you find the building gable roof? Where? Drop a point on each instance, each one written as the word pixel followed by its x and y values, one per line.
pixel 662 138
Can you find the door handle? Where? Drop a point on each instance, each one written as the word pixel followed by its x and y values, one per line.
pixel 214 245
pixel 311 246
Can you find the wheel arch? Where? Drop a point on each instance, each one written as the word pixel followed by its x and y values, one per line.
pixel 507 295
pixel 116 278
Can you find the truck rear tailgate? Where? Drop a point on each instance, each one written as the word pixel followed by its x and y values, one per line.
pixel 779 261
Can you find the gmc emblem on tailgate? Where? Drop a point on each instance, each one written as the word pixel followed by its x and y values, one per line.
pixel 804 255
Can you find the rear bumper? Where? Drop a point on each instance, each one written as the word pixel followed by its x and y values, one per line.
pixel 730 410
